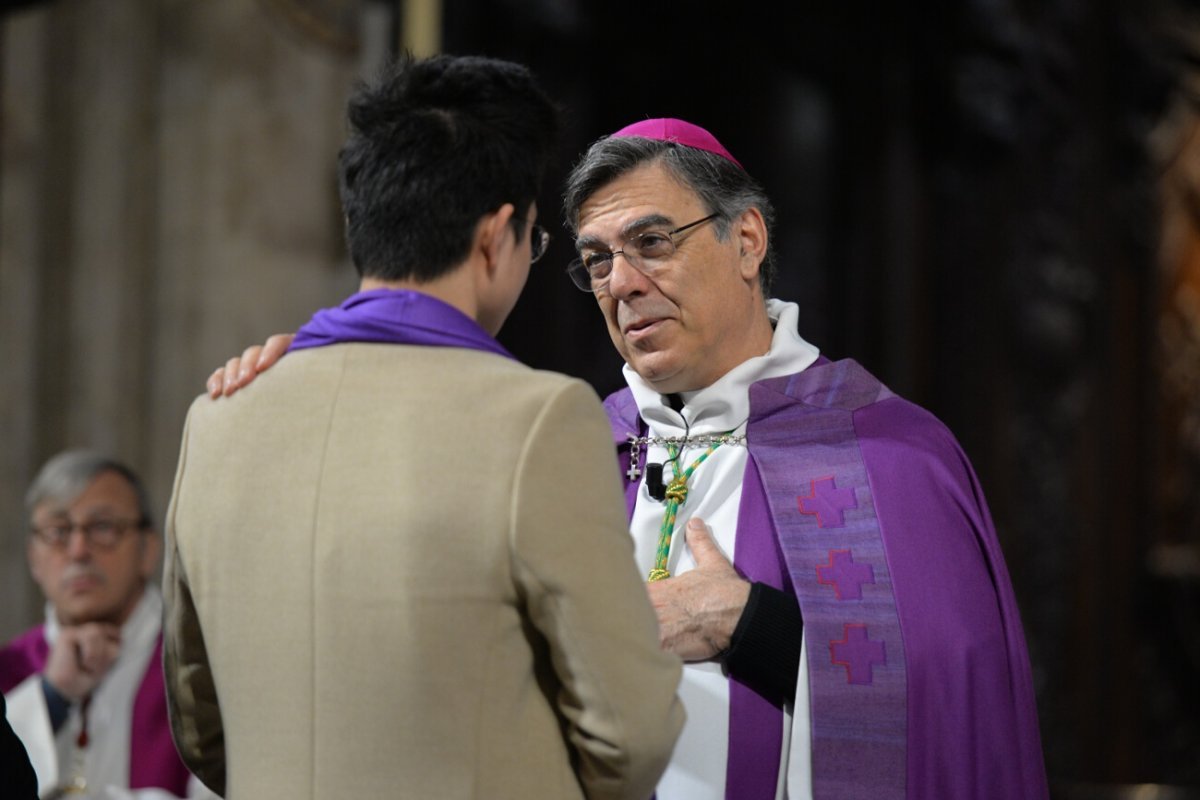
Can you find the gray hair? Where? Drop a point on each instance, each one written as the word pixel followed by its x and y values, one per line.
pixel 724 188
pixel 65 476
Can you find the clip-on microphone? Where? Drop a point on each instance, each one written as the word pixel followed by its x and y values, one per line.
pixel 654 482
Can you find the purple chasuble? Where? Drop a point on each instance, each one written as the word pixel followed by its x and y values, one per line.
pixel 153 760
pixel 395 316
pixel 919 678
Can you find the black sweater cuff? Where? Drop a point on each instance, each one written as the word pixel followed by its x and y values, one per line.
pixel 764 651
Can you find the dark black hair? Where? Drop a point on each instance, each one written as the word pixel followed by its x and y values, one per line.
pixel 434 145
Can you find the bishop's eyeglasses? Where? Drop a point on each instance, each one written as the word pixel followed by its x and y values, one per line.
pixel 644 251
pixel 103 534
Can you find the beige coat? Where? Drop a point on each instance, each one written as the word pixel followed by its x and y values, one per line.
pixel 398 571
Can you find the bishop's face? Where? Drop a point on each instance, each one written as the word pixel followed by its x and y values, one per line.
pixel 700 312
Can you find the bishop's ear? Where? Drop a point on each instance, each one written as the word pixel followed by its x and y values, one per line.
pixel 751 231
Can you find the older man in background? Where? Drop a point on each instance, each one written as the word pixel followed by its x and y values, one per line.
pixel 85 690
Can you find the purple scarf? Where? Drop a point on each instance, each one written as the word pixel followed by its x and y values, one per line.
pixel 395 316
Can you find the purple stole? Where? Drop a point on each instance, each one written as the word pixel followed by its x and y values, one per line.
pixel 153 760
pixel 395 316
pixel 868 507
pixel 820 502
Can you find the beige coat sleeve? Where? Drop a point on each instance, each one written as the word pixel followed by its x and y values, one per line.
pixel 192 705
pixel 573 560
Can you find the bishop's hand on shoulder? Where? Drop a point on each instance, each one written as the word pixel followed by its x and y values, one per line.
pixel 241 370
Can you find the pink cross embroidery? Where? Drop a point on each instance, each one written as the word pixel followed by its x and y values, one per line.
pixel 828 502
pixel 858 654
pixel 844 575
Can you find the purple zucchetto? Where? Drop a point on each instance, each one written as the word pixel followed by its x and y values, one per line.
pixel 667 129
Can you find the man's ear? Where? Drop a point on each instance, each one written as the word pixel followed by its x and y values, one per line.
pixel 492 234
pixel 34 563
pixel 751 231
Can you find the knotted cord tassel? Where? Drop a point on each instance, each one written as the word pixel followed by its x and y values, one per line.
pixel 677 489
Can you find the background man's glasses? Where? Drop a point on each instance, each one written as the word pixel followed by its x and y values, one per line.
pixel 101 533
pixel 644 251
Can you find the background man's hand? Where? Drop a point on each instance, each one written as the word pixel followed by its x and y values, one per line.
pixel 80 658
pixel 699 610
pixel 240 370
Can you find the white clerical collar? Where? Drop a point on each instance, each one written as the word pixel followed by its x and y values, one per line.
pixel 725 404
pixel 142 623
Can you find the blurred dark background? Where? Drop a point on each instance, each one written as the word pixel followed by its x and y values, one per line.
pixel 973 199
pixel 993 205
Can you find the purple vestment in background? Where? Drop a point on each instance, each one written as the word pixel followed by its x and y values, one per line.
pixel 153 760
pixel 919 678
